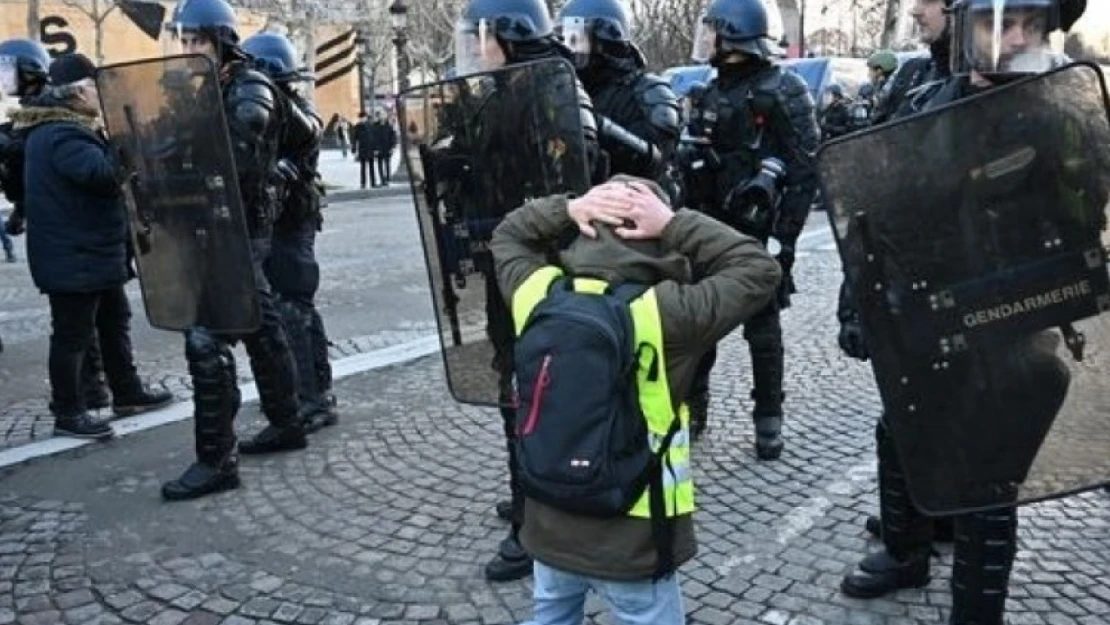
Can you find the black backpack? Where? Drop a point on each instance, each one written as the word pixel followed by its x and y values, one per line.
pixel 582 440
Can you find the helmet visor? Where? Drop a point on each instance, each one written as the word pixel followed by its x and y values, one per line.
pixel 576 38
pixel 1003 39
pixel 705 42
pixel 9 75
pixel 476 48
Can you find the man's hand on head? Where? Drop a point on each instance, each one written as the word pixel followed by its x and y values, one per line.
pixel 649 215
pixel 609 203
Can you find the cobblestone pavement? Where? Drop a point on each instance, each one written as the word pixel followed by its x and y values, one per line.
pixel 387 517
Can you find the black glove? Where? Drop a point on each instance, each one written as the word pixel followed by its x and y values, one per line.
pixel 851 340
pixel 124 169
pixel 15 225
pixel 786 285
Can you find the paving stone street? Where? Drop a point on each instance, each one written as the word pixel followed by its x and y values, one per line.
pixel 388 517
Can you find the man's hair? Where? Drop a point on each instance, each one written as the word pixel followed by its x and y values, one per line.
pixel 67 91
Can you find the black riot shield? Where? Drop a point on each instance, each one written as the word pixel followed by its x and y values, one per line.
pixel 165 118
pixel 974 237
pixel 477 147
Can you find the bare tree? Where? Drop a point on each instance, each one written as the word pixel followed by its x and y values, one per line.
pixel 432 34
pixel 890 23
pixel 97 11
pixel 664 31
pixel 34 30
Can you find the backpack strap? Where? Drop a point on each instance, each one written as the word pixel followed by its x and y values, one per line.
pixel 662 526
pixel 627 292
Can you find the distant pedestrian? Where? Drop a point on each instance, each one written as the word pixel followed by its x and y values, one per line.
pixel 362 143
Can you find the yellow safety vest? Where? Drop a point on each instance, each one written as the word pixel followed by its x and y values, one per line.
pixel 655 395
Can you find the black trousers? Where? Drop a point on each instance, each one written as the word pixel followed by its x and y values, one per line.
pixel 763 333
pixel 499 329
pixel 986 542
pixel 365 164
pixel 79 320
pixel 294 274
pixel 382 159
pixel 216 394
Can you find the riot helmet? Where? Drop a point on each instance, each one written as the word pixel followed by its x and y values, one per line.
pixel 24 64
pixel 197 24
pixel 493 33
pixel 737 26
pixel 597 29
pixel 274 55
pixel 1003 39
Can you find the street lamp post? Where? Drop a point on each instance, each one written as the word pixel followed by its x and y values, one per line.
pixel 398 13
pixel 360 62
pixel 802 29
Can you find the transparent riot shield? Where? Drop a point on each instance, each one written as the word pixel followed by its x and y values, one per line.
pixel 478 147
pixel 974 238
pixel 165 117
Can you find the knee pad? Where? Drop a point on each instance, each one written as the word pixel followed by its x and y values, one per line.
pixel 207 355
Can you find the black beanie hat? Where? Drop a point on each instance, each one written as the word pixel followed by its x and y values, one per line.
pixel 70 68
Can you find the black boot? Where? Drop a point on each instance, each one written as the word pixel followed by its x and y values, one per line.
pixel 881 573
pixel 764 336
pixel 276 377
pixel 322 364
pixel 699 414
pixel 768 437
pixel 511 561
pixel 906 535
pixel 83 425
pixel 315 412
pixel 216 399
pixel 141 400
pixel 201 479
pixel 274 439
pixel 986 543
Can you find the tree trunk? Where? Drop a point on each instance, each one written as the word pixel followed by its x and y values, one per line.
pixel 890 23
pixel 310 54
pixel 34 30
pixel 98 34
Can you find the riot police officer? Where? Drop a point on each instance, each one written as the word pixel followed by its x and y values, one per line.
pixel 836 119
pixel 31 64
pixel 489 35
pixel 985 542
pixel 291 268
pixel 638 115
pixel 757 131
pixel 910 89
pixel 254 118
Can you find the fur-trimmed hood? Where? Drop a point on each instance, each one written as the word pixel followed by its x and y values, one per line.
pixel 28 117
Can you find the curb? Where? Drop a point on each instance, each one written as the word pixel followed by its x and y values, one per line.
pixel 351 195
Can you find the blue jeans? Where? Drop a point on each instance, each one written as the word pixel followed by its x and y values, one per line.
pixel 560 598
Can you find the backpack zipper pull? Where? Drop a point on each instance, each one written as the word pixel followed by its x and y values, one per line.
pixel 543 380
